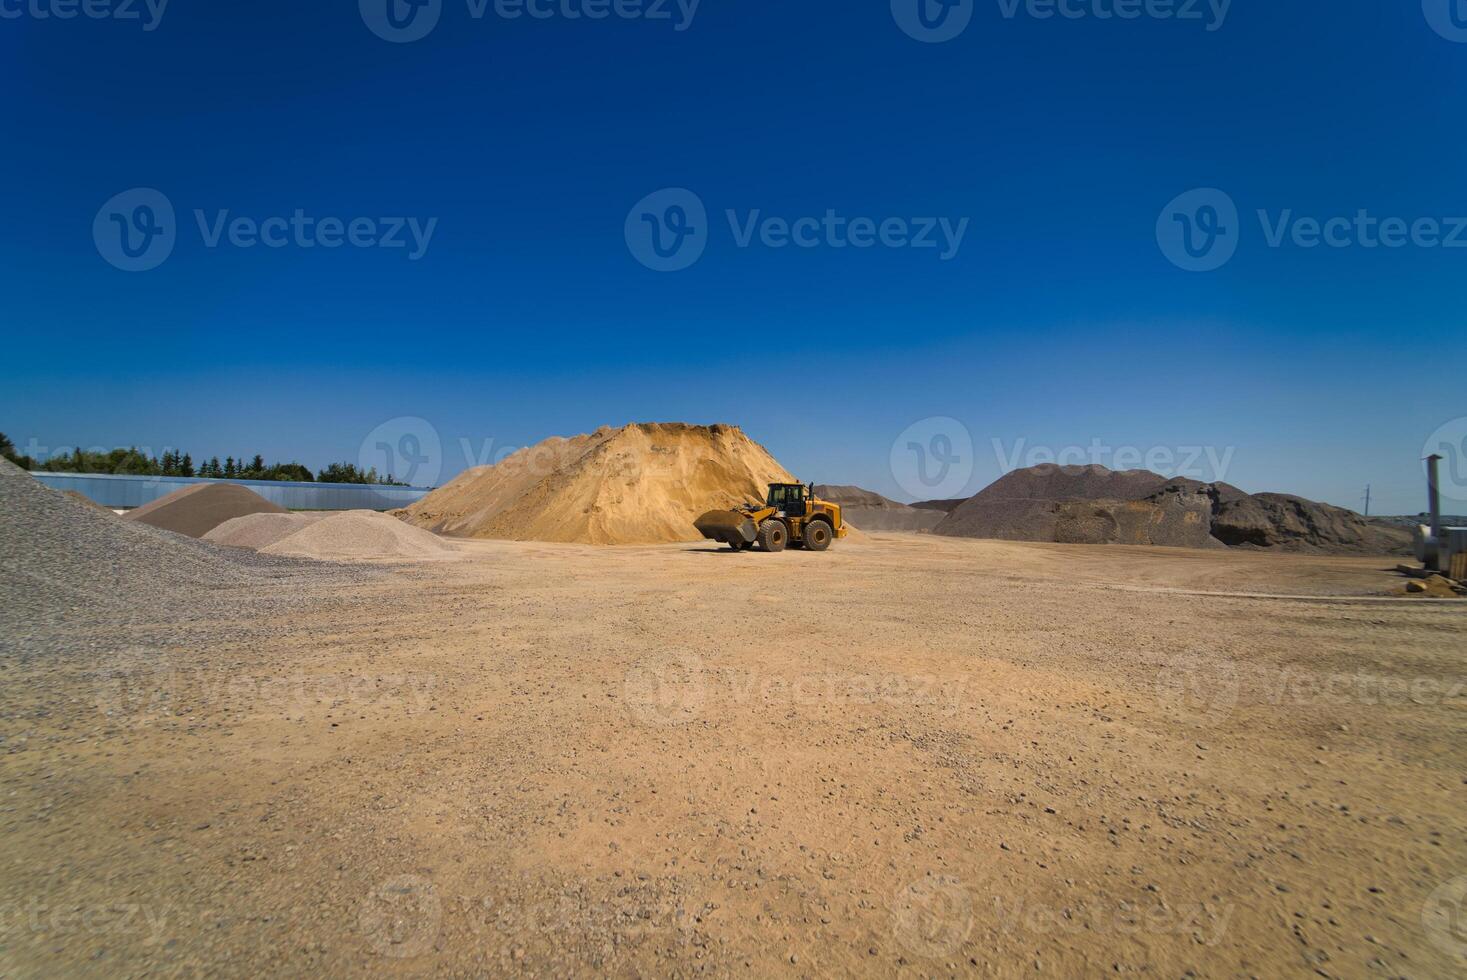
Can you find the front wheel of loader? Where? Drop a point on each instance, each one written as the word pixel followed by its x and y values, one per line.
pixel 772 535
pixel 817 535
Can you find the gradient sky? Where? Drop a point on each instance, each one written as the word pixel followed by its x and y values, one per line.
pixel 1060 321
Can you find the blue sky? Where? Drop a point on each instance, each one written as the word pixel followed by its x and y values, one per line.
pixel 1058 144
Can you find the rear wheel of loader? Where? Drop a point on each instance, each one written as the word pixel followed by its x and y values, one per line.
pixel 773 536
pixel 817 535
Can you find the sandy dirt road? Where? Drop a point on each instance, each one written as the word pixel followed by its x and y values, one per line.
pixel 908 756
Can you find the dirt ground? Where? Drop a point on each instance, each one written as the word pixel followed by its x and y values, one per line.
pixel 907 756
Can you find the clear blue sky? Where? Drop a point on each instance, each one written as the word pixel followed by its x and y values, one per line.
pixel 1059 321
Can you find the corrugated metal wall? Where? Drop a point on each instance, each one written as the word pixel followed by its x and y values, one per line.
pixel 118 492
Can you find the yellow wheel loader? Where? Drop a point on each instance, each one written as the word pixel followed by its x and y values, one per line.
pixel 790 515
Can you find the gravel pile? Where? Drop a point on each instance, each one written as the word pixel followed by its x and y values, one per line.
pixel 197 509
pixel 870 511
pixel 1094 505
pixel 66 567
pixel 361 534
pixel 258 531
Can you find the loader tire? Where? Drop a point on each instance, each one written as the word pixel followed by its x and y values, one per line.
pixel 772 535
pixel 817 535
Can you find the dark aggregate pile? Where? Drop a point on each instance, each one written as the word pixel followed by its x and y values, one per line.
pixel 1027 504
pixel 946 506
pixel 198 509
pixel 1095 505
pixel 870 511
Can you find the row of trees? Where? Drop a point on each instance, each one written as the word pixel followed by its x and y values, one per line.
pixel 132 462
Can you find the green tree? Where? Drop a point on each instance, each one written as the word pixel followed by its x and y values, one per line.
pixel 8 450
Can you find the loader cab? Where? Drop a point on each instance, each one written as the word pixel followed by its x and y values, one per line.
pixel 788 498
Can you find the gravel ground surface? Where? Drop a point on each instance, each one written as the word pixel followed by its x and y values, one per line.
pixel 906 756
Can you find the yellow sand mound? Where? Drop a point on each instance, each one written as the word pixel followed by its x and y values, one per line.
pixel 640 484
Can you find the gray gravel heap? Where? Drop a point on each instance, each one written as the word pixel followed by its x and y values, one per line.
pixel 65 563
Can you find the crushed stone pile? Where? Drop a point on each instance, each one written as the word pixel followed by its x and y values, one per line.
pixel 356 535
pixel 1095 505
pixel 1278 520
pixel 638 484
pixel 83 499
pixel 197 509
pixel 946 506
pixel 59 556
pixel 1025 505
pixel 871 511
pixel 260 530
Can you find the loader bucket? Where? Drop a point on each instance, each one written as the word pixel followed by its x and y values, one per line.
pixel 728 526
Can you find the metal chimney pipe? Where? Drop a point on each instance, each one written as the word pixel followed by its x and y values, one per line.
pixel 1434 496
pixel 1434 505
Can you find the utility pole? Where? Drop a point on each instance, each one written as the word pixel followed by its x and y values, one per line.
pixel 1367 500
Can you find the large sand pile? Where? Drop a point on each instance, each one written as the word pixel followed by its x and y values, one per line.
pixel 361 534
pixel 872 512
pixel 1094 505
pixel 639 484
pixel 198 508
pixel 260 530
